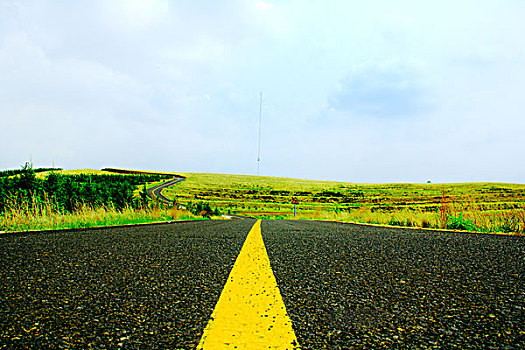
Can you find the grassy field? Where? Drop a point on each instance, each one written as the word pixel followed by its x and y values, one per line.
pixel 74 172
pixel 102 172
pixel 33 210
pixel 486 207
pixel 42 217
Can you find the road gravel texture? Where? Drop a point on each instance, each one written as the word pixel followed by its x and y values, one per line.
pixel 141 287
pixel 344 286
pixel 350 286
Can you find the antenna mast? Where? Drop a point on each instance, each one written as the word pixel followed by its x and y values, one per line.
pixel 260 123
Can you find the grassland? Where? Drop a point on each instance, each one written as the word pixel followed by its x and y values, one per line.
pixel 486 207
pixel 78 199
pixel 43 217
pixel 42 175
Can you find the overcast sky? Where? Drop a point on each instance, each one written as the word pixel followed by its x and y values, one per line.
pixel 359 91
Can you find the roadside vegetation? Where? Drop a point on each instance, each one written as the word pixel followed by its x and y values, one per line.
pixel 38 199
pixel 482 207
pixel 53 199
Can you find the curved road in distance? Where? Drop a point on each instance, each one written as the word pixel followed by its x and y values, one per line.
pixel 156 191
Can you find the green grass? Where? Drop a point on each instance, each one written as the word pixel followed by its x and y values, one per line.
pixel 42 217
pixel 486 207
pixel 43 214
pixel 74 172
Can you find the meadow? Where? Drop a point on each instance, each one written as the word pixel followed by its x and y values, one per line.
pixel 89 198
pixel 41 199
pixel 483 207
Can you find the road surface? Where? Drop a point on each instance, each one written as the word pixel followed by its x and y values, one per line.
pixel 156 191
pixel 344 286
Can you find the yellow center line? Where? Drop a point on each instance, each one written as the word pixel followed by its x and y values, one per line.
pixel 250 313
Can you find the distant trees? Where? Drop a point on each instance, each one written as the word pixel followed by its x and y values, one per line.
pixel 69 192
pixel 4 173
pixel 202 208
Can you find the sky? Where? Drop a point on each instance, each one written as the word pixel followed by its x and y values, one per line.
pixel 371 91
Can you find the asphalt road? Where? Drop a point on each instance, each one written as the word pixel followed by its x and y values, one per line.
pixel 344 286
pixel 348 286
pixel 141 287
pixel 156 191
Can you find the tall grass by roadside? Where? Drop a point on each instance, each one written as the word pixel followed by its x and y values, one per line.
pixel 485 207
pixel 453 217
pixel 467 215
pixel 79 199
pixel 470 215
pixel 42 215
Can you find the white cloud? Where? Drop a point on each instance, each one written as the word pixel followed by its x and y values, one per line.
pixel 389 89
pixel 164 84
pixel 34 78
pixel 136 15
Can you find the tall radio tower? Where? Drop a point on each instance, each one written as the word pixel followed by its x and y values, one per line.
pixel 260 123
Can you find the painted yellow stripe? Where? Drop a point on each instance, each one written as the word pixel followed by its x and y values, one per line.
pixel 250 313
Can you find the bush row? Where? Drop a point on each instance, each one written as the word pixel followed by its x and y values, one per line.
pixel 69 192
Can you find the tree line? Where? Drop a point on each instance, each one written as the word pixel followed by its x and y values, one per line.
pixel 5 173
pixel 70 192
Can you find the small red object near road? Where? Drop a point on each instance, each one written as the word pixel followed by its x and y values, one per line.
pixel 295 202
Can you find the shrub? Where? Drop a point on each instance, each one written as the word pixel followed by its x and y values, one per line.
pixel 459 223
pixel 395 222
pixel 203 209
